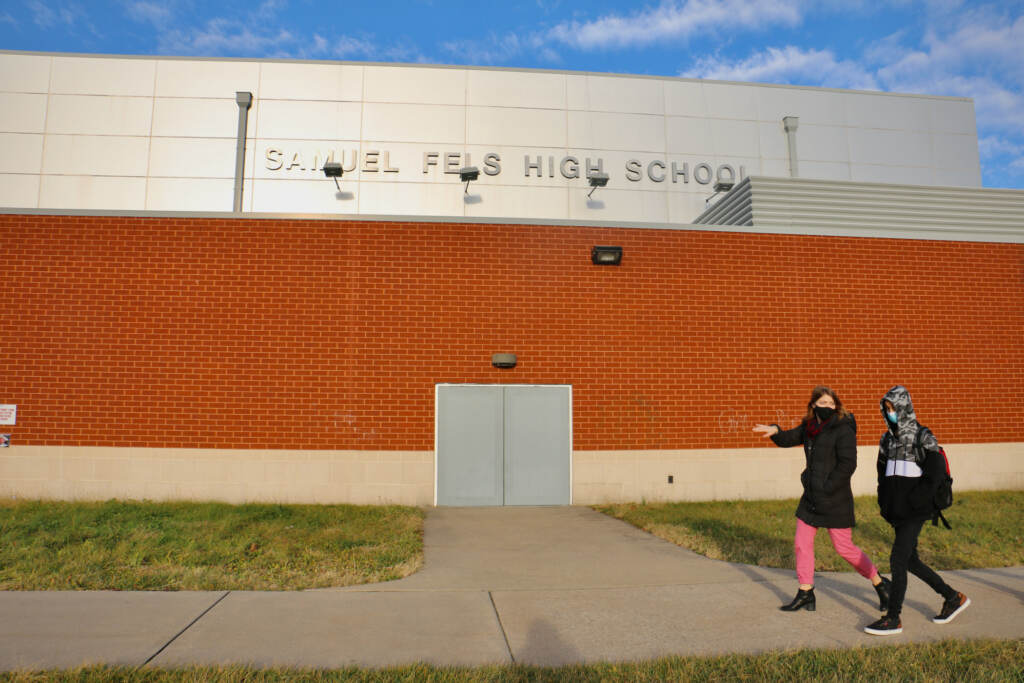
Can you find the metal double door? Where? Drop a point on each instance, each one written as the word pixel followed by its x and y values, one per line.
pixel 503 444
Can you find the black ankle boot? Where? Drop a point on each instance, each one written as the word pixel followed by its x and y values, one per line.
pixel 883 590
pixel 803 600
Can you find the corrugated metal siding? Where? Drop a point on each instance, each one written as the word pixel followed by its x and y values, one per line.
pixel 795 205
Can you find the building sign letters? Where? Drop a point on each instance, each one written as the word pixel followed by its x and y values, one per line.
pixel 531 165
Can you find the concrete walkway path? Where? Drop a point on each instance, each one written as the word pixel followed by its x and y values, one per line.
pixel 543 586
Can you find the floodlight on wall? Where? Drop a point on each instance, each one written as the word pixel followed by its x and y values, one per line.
pixel 332 169
pixel 719 187
pixel 606 256
pixel 596 180
pixel 503 360
pixel 468 173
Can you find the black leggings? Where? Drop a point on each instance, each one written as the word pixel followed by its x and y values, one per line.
pixel 903 558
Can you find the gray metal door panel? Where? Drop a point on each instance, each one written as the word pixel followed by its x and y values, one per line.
pixel 469 435
pixel 537 445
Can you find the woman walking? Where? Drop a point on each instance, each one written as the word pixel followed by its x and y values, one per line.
pixel 829 437
pixel 910 469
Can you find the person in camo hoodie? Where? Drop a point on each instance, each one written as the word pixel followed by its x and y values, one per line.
pixel 908 477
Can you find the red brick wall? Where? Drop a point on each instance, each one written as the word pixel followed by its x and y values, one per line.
pixel 224 333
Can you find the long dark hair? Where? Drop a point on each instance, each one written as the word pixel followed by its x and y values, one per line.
pixel 820 391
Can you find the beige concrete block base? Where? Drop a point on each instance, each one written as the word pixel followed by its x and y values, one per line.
pixel 407 477
pixel 233 476
pixel 761 473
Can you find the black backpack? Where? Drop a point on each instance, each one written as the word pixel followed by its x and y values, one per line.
pixel 944 493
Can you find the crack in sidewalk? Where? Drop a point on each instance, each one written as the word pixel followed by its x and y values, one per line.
pixel 187 627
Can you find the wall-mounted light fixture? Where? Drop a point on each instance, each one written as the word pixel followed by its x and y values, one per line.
pixel 719 187
pixel 606 256
pixel 503 360
pixel 596 179
pixel 468 173
pixel 332 169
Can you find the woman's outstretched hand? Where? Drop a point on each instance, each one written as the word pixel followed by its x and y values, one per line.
pixel 766 430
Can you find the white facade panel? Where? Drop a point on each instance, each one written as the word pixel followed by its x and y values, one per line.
pixel 99 76
pixel 736 138
pixel 298 196
pixel 772 140
pixel 92 192
pixel 193 117
pixel 576 92
pixel 633 95
pixel 890 147
pixel 19 190
pixel 97 155
pixel 22 153
pixel 190 194
pixel 25 73
pixel 414 123
pixel 685 98
pixel 687 135
pixel 411 198
pixel 729 101
pixel 194 158
pixel 518 202
pixel 306 120
pixel 953 116
pixel 821 143
pixel 896 175
pixel 618 205
pixel 825 170
pixel 99 115
pixel 332 82
pixel 950 151
pixel 961 176
pixel 515 89
pixel 413 85
pixel 22 113
pixel 887 112
pixel 626 132
pixel 496 126
pixel 205 78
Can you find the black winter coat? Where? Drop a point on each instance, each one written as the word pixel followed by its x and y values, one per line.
pixel 831 461
pixel 906 499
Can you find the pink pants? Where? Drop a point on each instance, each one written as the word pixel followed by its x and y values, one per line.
pixel 842 541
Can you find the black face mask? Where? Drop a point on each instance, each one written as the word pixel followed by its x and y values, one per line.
pixel 824 413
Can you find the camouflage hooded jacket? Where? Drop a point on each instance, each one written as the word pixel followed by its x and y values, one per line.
pixel 907 478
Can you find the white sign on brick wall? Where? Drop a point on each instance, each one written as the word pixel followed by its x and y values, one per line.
pixel 8 414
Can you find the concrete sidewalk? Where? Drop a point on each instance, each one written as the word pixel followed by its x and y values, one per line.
pixel 541 586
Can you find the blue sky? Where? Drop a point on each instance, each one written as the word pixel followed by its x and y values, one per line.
pixel 938 47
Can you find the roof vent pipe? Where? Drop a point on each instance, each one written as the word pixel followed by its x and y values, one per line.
pixel 244 100
pixel 790 123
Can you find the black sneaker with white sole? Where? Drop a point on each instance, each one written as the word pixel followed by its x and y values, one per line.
pixel 886 626
pixel 952 607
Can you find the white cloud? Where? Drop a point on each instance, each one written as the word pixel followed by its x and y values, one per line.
pixel 156 13
pixel 497 49
pixel 42 15
pixel 787 65
pixel 672 20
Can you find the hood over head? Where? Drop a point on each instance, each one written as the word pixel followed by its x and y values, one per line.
pixel 905 429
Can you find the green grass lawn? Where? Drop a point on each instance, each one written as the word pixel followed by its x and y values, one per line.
pixel 204 546
pixel 988 531
pixel 950 660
